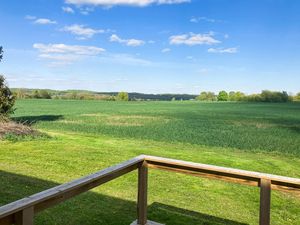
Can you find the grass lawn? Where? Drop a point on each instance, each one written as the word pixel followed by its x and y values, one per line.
pixel 87 136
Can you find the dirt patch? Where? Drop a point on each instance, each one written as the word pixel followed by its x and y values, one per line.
pixel 10 127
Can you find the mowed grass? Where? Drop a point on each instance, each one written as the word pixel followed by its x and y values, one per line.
pixel 91 135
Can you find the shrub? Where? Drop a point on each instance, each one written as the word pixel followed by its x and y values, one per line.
pixel 274 96
pixel 206 96
pixel 44 94
pixel 122 96
pixel 223 96
pixel 236 96
pixel 297 97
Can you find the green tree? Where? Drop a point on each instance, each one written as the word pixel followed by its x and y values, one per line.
pixel 7 99
pixel 202 96
pixel 239 96
pixel 44 94
pixel 231 96
pixel 274 96
pixel 35 94
pixel 206 96
pixel 1 53
pixel 236 96
pixel 122 96
pixel 20 94
pixel 223 96
pixel 297 97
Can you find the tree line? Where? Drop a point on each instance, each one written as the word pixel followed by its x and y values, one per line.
pixel 70 95
pixel 264 96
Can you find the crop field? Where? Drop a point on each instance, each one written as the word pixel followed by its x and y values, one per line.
pixel 87 136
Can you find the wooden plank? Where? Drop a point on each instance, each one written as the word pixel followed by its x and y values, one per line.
pixel 159 162
pixel 69 194
pixel 265 202
pixel 64 190
pixel 25 217
pixel 8 220
pixel 224 178
pixel 142 194
pixel 205 175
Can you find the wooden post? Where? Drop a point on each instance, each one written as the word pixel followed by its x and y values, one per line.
pixel 265 202
pixel 25 217
pixel 142 194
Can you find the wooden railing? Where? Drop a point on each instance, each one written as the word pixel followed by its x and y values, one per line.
pixel 22 212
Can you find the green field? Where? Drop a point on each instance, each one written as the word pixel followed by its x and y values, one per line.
pixel 86 136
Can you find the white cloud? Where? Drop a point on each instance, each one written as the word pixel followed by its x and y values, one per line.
pixel 71 49
pixel 203 18
pixel 222 50
pixel 60 59
pixel 82 31
pixel 44 21
pixel 61 54
pixel 193 39
pixel 110 3
pixel 67 9
pixel 128 42
pixel 203 70
pixel 125 59
pixel 41 21
pixel 86 10
pixel 165 50
pixel 29 17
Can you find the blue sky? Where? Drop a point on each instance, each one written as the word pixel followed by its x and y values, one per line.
pixel 152 46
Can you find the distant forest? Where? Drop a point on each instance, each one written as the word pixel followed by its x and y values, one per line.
pixel 264 96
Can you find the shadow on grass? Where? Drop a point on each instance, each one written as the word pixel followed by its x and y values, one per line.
pixel 34 119
pixel 96 209
pixel 178 216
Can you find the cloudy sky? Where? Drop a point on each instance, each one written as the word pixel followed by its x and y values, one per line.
pixel 152 46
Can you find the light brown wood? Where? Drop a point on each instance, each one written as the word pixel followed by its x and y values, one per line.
pixel 179 165
pixel 265 202
pixel 25 217
pixel 223 178
pixel 142 194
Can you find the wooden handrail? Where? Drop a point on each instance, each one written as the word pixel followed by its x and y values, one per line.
pixel 21 212
pixel 223 173
pixel 10 213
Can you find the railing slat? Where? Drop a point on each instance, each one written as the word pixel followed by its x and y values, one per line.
pixel 265 202
pixel 142 194
pixel 25 217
